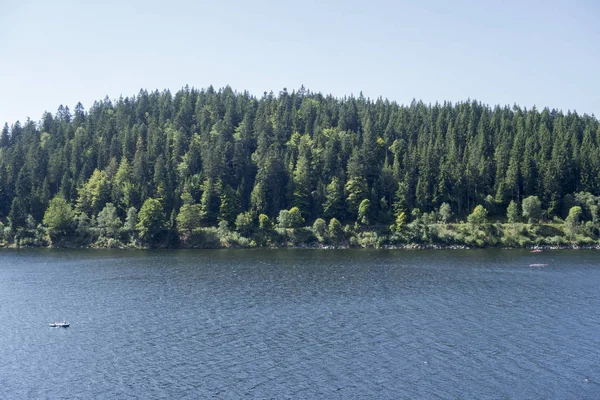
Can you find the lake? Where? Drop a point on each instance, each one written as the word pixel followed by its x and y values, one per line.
pixel 300 324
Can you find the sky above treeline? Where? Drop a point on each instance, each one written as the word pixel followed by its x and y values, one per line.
pixel 542 53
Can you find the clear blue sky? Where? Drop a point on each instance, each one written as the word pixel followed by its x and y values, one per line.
pixel 543 53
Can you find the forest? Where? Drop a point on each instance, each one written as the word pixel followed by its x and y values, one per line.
pixel 220 168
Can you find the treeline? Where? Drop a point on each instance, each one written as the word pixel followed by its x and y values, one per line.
pixel 165 169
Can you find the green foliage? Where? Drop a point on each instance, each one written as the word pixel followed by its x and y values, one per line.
pixel 283 220
pixel 416 215
pixel 234 153
pixel 18 214
pixel 445 213
pixel 320 227
pixel 244 223
pixel 83 225
pixel 230 205
pixel 131 220
pixel 124 193
pixel 188 219
pixel 186 197
pixel 302 184
pixel 356 190
pixel 94 194
pixel 232 239
pixel 152 223
pixel 335 229
pixel 290 219
pixel 204 238
pixel 572 221
pixel 490 205
pixel 210 203
pixel 399 223
pixel 512 212
pixel 478 216
pixel 108 221
pixel 532 208
pixel 364 209
pixel 367 240
pixel 296 219
pixel 264 223
pixel 334 199
pixel 590 205
pixel 59 218
pixel 401 200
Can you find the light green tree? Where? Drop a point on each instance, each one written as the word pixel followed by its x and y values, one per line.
pixel 512 212
pixel 283 220
pixel 82 221
pixel 335 229
pixel 122 193
pixel 244 223
pixel 94 194
pixel 572 221
pixel 59 218
pixel 400 222
pixel 296 219
pixel 188 218
pixel 356 189
pixel 364 209
pixel 334 199
pixel 290 219
pixel 131 220
pixel 532 209
pixel 108 221
pixel 152 224
pixel 445 213
pixel 477 217
pixel 320 227
pixel 264 223
pixel 301 181
pixel 416 215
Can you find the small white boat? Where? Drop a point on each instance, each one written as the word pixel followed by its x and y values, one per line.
pixel 538 265
pixel 63 324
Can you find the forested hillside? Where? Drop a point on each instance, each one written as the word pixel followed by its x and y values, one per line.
pixel 159 167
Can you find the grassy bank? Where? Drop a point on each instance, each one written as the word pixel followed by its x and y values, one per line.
pixel 413 235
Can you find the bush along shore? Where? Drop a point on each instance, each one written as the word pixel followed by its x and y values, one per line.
pixel 150 228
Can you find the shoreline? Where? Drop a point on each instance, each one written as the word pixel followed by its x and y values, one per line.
pixel 410 246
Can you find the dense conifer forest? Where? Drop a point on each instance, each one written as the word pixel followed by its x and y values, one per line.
pixel 219 168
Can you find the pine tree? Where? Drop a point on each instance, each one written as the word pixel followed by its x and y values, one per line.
pixel 210 202
pixel 302 186
pixel 230 206
pixel 320 154
pixel 4 136
pixel 334 199
pixel 512 212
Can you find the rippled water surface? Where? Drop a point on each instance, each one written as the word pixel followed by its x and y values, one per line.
pixel 331 324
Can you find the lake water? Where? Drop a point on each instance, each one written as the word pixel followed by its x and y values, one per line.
pixel 301 324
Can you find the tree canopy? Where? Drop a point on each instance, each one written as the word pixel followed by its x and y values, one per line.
pixel 205 156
